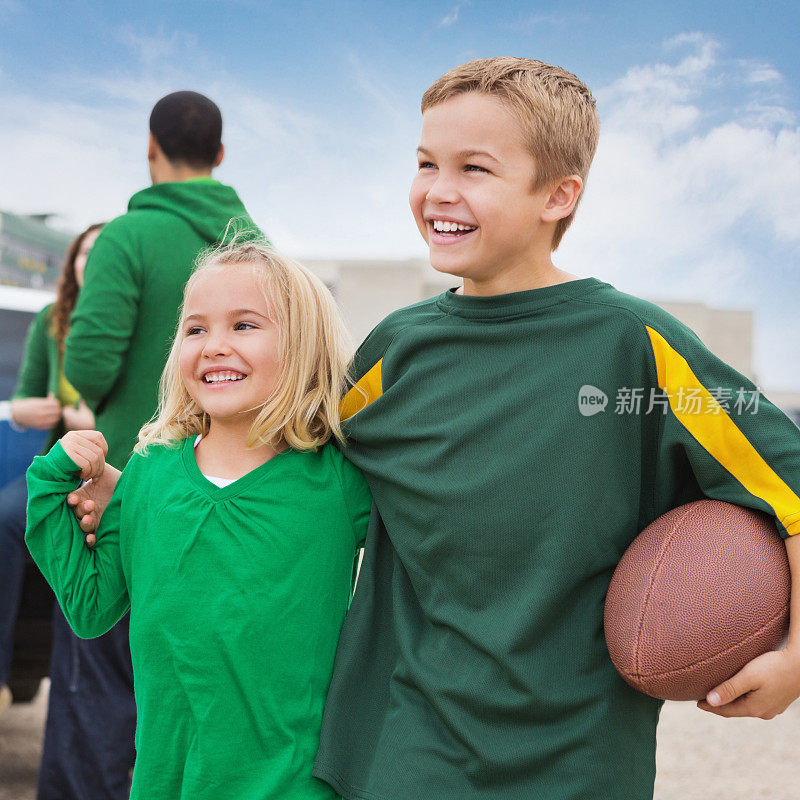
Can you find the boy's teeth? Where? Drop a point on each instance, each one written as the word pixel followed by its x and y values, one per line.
pixel 449 227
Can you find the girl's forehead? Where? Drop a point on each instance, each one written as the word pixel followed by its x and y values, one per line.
pixel 225 287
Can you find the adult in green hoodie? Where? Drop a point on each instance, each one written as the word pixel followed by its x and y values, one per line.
pixel 119 337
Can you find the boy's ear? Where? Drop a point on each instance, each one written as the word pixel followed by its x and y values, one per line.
pixel 563 198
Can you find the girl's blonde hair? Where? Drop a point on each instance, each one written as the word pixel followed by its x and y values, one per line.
pixel 314 347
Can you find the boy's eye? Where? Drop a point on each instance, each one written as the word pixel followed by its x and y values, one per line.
pixel 474 168
pixel 426 165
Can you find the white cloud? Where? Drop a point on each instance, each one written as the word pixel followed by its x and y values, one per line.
pixel 691 192
pixel 555 19
pixel 761 73
pixel 451 17
pixel 686 38
pixel 765 115
pixel 375 90
pixel 154 48
pixel 67 158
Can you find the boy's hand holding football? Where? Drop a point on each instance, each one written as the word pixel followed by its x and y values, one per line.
pixel 764 688
pixel 769 684
pixel 88 450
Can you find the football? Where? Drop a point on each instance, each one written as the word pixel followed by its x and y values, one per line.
pixel 699 593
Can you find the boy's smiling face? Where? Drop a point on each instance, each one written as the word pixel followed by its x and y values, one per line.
pixel 472 197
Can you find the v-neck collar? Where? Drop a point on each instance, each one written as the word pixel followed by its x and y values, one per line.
pixel 240 484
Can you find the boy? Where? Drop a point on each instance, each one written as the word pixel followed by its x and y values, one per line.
pixel 472 663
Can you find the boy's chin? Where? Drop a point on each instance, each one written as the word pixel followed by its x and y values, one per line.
pixel 448 267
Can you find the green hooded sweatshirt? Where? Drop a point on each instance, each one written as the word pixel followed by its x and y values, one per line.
pixel 125 318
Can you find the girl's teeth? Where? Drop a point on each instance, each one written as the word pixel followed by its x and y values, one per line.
pixel 219 377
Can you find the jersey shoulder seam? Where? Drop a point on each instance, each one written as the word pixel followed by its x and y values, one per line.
pixel 412 324
pixel 617 306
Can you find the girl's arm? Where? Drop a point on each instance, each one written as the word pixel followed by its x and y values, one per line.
pixel 89 584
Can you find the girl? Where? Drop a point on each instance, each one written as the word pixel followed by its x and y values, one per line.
pixel 239 579
pixel 43 400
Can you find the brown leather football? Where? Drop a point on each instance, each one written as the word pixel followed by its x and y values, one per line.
pixel 700 592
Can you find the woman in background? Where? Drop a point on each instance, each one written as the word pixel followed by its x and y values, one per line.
pixel 43 400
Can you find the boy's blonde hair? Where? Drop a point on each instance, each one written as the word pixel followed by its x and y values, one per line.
pixel 314 347
pixel 557 115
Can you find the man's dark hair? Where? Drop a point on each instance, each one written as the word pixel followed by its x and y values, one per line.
pixel 188 128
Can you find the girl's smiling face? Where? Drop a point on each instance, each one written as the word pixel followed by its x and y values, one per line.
pixel 230 355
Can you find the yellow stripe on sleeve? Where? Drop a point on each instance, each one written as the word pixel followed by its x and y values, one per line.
pixel 721 437
pixel 369 388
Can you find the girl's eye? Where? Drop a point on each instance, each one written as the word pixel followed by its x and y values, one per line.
pixel 243 326
pixel 194 330
pixel 475 168
pixel 426 165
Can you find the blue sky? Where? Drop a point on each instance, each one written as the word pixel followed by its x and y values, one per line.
pixel 694 194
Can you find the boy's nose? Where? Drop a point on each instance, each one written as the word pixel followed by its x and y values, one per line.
pixel 442 191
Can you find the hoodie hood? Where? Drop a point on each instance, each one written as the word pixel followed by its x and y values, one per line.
pixel 207 205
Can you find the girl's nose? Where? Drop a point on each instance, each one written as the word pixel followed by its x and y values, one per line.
pixel 216 345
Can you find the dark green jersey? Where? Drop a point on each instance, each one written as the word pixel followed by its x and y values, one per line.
pixel 515 446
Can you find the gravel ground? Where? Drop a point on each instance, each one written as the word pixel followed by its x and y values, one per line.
pixel 704 757
pixel 700 756
pixel 21 729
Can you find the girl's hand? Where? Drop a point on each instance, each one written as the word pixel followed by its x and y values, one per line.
pixel 41 413
pixel 88 450
pixel 78 419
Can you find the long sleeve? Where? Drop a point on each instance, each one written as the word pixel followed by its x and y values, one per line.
pixel 33 374
pixel 104 318
pixel 739 446
pixel 89 584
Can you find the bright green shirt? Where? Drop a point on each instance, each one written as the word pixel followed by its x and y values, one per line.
pixel 237 596
pixel 472 664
